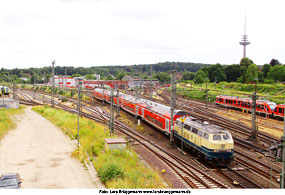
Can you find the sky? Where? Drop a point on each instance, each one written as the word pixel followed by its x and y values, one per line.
pixel 89 33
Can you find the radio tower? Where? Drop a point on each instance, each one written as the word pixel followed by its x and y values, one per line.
pixel 244 40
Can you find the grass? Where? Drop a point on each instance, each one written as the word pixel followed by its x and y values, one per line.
pixel 115 168
pixel 6 123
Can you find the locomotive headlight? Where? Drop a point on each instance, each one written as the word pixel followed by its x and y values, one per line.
pixel 215 150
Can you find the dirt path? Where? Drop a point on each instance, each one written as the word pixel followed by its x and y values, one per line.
pixel 40 153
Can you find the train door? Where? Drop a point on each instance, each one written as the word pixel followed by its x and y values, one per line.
pixel 137 109
pixel 167 124
pixel 142 113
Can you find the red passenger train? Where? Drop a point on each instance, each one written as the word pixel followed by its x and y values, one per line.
pixel 154 113
pixel 265 107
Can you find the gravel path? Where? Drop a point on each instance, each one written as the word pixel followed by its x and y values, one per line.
pixel 40 153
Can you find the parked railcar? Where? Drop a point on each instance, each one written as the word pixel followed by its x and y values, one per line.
pixel 279 111
pixel 5 90
pixel 265 107
pixel 211 142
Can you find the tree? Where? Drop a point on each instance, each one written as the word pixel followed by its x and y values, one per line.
pixel 251 73
pixel 246 62
pixel 200 77
pixel 266 69
pixel 216 73
pixel 34 79
pixel 274 62
pixel 277 73
pixel 76 75
pixel 186 76
pixel 163 77
pixel 109 77
pixel 233 72
pixel 90 77
pixel 120 75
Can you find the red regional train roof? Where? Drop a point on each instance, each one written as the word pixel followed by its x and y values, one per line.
pixel 150 105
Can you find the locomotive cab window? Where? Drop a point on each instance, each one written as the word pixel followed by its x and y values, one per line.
pixel 226 137
pixel 206 136
pixel 194 130
pixel 280 110
pixel 200 133
pixel 217 137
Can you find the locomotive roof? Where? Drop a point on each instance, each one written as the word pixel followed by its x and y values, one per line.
pixel 209 128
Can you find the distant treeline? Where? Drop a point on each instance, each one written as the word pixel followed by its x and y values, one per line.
pixel 106 72
pixel 244 72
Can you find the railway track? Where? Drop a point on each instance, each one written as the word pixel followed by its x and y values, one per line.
pixel 237 179
pixel 192 176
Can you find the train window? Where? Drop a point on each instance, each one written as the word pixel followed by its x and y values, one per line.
pixel 258 106
pixel 226 137
pixel 200 133
pixel 206 136
pixel 262 107
pixel 217 137
pixel 194 130
pixel 280 110
pixel 187 127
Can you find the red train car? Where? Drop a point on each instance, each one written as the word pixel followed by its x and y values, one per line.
pixel 92 84
pixel 154 113
pixel 279 110
pixel 262 106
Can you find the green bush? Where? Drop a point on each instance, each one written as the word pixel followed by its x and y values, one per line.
pixel 109 171
pixel 64 99
pixel 268 81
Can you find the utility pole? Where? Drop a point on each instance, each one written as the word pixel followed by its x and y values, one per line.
pixel 103 92
pixel 118 103
pixel 254 129
pixel 52 96
pixel 78 110
pixel 215 83
pixel 111 120
pixel 140 91
pixel 207 93
pixel 173 103
pixel 14 91
pixel 151 82
pixel 65 86
pixel 282 177
pixel 34 91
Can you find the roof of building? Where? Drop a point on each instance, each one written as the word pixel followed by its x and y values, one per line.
pixel 115 141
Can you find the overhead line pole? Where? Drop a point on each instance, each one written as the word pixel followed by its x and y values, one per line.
pixel 151 82
pixel 52 97
pixel 173 103
pixel 111 121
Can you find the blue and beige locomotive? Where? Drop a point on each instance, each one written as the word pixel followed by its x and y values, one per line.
pixel 211 142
